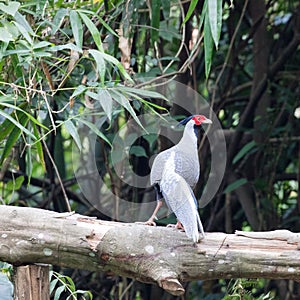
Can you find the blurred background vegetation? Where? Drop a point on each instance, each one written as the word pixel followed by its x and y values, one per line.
pixel 75 68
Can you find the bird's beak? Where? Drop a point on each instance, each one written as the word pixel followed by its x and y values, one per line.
pixel 207 121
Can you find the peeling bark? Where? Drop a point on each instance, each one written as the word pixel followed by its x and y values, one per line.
pixel 150 254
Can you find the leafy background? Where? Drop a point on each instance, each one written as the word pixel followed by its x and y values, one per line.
pixel 68 66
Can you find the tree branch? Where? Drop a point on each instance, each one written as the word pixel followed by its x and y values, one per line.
pixel 150 254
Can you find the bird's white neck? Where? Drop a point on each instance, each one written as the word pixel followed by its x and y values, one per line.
pixel 189 139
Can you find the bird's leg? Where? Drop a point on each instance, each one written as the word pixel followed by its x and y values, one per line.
pixel 153 217
pixel 151 222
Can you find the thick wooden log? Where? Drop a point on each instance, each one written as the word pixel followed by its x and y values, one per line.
pixel 150 254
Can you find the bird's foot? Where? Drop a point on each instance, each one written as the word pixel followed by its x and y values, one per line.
pixel 150 222
pixel 178 225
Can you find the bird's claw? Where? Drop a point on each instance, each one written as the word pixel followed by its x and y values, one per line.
pixel 178 225
pixel 148 223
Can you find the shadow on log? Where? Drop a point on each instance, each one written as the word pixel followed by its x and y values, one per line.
pixel 149 254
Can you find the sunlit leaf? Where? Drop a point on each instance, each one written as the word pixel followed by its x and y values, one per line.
pixel 118 64
pixel 11 8
pixel 124 102
pixel 105 100
pixel 77 28
pixel 72 130
pixel 42 44
pixel 214 10
pixel 143 92
pixel 33 119
pixel 93 30
pixel 24 32
pixel 53 283
pixel 98 57
pixel 23 22
pixel 95 129
pixel 68 46
pixel 16 123
pixel 79 91
pixel 5 36
pixel 15 184
pixel 58 19
pixel 58 292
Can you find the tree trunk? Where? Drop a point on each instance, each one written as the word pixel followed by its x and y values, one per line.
pixel 150 254
pixel 32 282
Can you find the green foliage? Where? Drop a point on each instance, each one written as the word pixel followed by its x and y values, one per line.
pixel 234 185
pixel 64 285
pixel 66 76
pixel 246 289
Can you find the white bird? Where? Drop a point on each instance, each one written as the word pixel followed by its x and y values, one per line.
pixel 183 167
pixel 180 199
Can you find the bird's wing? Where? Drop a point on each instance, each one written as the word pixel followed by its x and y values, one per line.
pixel 186 165
pixel 158 166
pixel 181 200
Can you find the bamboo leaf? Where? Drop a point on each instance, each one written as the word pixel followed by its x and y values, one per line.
pixel 42 44
pixel 29 164
pixel 107 26
pixel 77 28
pixel 234 185
pixel 72 130
pixel 24 32
pixel 143 92
pixel 68 46
pixel 190 10
pixel 5 36
pixel 15 184
pixel 213 10
pixel 58 19
pixel 13 137
pixel 155 19
pixel 5 128
pixel 244 151
pixel 138 151
pixel 39 146
pixel 93 30
pixel 34 120
pixel 208 46
pixel 95 129
pixel 98 57
pixel 105 99
pixel 58 292
pixel 79 90
pixel 22 21
pixel 16 123
pixel 11 8
pixel 53 283
pixel 118 64
pixel 124 102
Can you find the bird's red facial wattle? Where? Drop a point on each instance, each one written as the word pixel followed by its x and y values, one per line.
pixel 200 119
